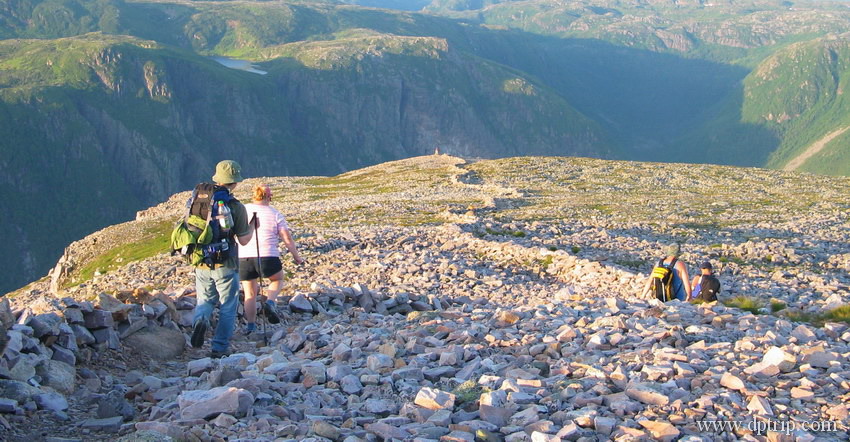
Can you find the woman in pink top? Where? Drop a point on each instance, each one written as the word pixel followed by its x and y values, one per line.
pixel 273 228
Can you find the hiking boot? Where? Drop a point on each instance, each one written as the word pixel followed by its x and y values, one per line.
pixel 199 330
pixel 256 336
pixel 270 310
pixel 249 328
pixel 217 354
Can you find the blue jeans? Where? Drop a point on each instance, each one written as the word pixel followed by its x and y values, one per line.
pixel 219 286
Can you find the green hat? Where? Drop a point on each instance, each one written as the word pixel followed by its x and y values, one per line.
pixel 673 249
pixel 227 172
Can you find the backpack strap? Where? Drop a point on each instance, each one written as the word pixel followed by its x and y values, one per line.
pixel 221 193
pixel 672 263
pixel 189 202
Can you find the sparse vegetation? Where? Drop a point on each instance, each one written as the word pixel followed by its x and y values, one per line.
pixel 514 233
pixel 155 241
pixel 545 262
pixel 631 263
pixel 747 303
pixel 468 392
pixel 840 314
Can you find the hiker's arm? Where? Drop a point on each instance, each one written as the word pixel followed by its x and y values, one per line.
pixel 290 245
pixel 683 273
pixel 246 239
pixel 646 287
pixel 244 230
pixel 694 283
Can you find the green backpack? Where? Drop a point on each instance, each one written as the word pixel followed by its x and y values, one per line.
pixel 187 235
pixel 197 236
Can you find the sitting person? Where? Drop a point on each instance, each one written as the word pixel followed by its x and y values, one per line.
pixel 705 286
pixel 669 278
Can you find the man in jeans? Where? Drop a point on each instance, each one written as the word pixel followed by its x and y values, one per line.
pixel 218 283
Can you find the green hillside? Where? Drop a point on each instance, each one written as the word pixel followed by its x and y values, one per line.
pixel 799 93
pixel 791 103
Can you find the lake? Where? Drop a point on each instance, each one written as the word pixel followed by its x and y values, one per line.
pixel 242 65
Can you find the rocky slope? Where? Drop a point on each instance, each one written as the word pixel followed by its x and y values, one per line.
pixel 454 300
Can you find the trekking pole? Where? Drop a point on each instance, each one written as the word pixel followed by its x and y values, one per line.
pixel 262 311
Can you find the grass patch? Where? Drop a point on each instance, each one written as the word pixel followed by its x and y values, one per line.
pixel 701 226
pixel 735 259
pixel 631 263
pixel 422 316
pixel 801 316
pixel 840 314
pixel 468 392
pixel 545 262
pixel 157 240
pixel 776 306
pixel 747 303
pixel 514 233
pixel 601 208
pixel 575 249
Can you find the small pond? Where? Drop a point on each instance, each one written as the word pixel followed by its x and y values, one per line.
pixel 242 65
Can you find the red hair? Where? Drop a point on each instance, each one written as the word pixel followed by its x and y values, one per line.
pixel 261 192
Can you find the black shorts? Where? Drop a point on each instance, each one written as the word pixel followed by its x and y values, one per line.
pixel 248 267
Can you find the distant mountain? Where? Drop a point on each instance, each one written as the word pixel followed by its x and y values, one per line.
pixel 801 93
pixel 401 5
pixel 721 30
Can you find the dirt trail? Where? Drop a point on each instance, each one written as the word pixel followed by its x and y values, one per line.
pixel 813 149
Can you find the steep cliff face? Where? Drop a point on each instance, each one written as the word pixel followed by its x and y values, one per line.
pixel 115 124
pixel 398 105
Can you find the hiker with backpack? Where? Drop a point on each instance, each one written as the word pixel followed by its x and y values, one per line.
pixel 669 278
pixel 215 220
pixel 262 259
pixel 705 286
